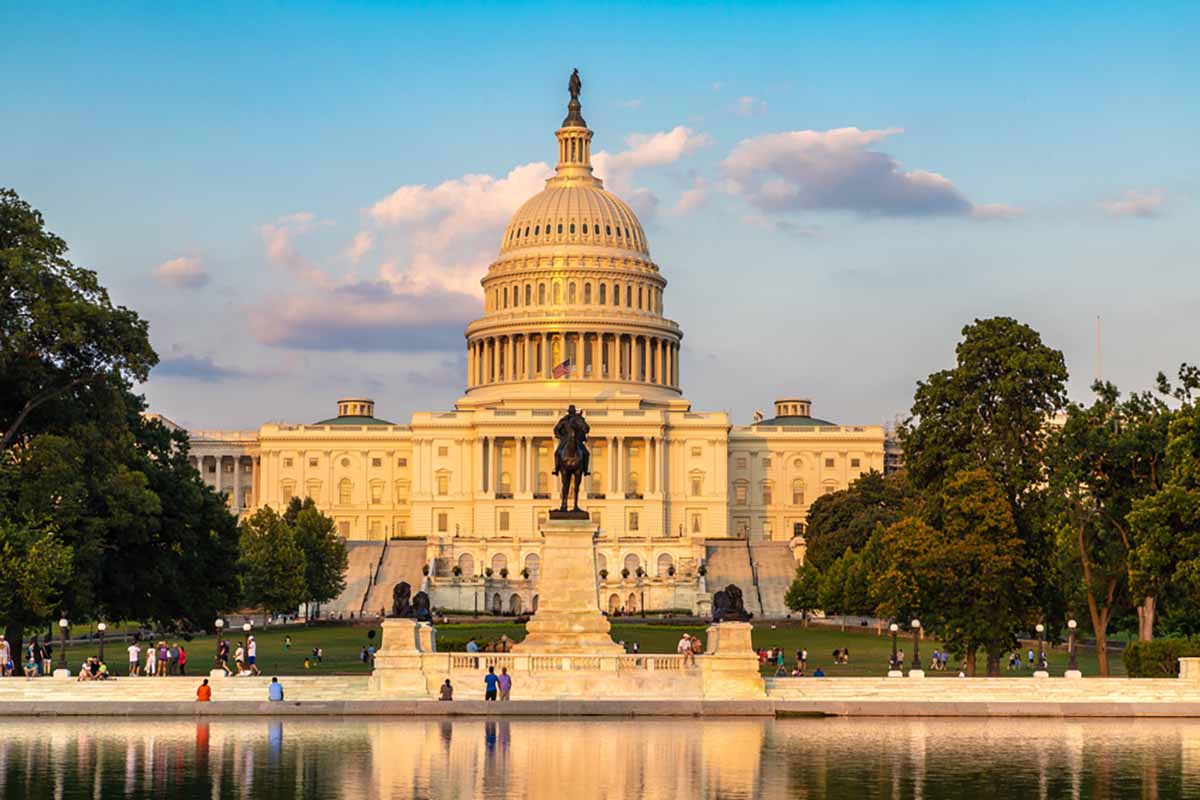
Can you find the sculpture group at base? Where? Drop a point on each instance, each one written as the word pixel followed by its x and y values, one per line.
pixel 407 606
pixel 728 606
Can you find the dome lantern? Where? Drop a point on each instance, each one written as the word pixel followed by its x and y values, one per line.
pixel 574 142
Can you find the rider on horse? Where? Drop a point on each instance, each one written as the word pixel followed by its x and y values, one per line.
pixel 572 426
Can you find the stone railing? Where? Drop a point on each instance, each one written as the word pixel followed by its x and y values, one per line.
pixel 533 663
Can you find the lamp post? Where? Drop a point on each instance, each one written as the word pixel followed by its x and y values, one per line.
pixel 102 628
pixel 219 623
pixel 895 668
pixel 62 627
pixel 1072 665
pixel 915 670
pixel 1041 672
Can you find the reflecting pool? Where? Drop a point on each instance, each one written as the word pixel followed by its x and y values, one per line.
pixel 582 759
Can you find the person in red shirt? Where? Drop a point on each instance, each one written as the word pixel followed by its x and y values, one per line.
pixel 204 693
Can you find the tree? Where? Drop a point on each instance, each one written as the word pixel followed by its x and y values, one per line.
pixel 803 596
pixel 60 336
pixel 272 564
pixel 969 579
pixel 1106 457
pixel 848 518
pixel 325 558
pixel 34 565
pixel 832 588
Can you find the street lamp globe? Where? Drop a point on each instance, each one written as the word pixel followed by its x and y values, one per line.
pixel 246 627
pixel 62 623
pixel 916 623
pixel 893 627
pixel 1071 624
pixel 220 623
pixel 1040 627
pixel 102 627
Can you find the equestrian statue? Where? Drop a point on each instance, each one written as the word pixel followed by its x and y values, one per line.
pixel 571 456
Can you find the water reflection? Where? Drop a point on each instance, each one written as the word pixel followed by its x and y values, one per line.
pixel 600 759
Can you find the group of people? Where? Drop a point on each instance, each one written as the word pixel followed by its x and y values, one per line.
pixel 938 661
pixel 495 687
pixel 244 657
pixel 37 658
pixel 1014 660
pixel 162 659
pixel 274 691
pixel 689 647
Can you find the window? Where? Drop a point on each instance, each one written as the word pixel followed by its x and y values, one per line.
pixel 560 227
pixel 633 521
pixel 443 484
pixel 697 523
pixel 767 529
pixel 797 492
pixel 830 489
pixel 344 491
pixel 633 487
pixel 739 493
pixel 558 294
pixel 571 293
pixel 287 462
pixel 247 468
pixel 742 528
pixel 502 522
pixel 376 493
pixel 528 293
pixel 376 462
pixel 345 462
pixel 596 520
pixel 603 293
pixel 212 468
pixel 443 522
pixel 312 462
pixel 587 294
pixel 443 452
pixel 585 228
pixel 797 529
pixel 766 463
pixel 228 468
pixel 697 485
pixel 854 462
pixel 829 463
pixel 616 300
pixel 639 297
pixel 741 462
pixel 696 452
pixel 542 288
pixel 246 499
pixel 767 494
pixel 629 296
pixel 572 227
pixel 344 528
pixel 401 462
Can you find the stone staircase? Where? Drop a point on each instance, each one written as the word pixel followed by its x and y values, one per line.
pixel 403 560
pixel 362 558
pixel 154 689
pixel 775 568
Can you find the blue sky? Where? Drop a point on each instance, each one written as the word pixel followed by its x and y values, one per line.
pixel 832 190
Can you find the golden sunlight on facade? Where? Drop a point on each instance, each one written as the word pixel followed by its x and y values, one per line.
pixel 573 313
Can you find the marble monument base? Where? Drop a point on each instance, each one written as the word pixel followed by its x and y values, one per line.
pixel 568 618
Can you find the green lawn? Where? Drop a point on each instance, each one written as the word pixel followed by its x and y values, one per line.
pixel 342 644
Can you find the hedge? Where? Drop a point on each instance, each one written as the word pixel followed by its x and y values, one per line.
pixel 1158 658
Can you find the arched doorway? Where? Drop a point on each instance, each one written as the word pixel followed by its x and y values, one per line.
pixel 533 563
pixel 614 604
pixel 466 564
pixel 499 562
pixel 665 562
pixel 631 605
pixel 497 604
pixel 514 605
pixel 631 563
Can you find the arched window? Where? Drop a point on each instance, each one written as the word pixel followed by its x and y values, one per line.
pixel 533 563
pixel 528 293
pixel 505 486
pixel 497 604
pixel 572 227
pixel 601 562
pixel 514 605
pixel 506 297
pixel 587 294
pixel 768 493
pixel 571 293
pixel 614 604
pixel 665 562
pixel 344 490
pixel 797 492
pixel 629 295
pixel 541 294
pixel 537 230
pixel 557 293
pixel 603 293
pixel 560 227
pixel 608 230
pixel 632 562
pixel 499 562
pixel 631 605
pixel 516 296
pixel 639 298
pixel 466 564
pixel 616 294
pixel 585 229
pixel 633 483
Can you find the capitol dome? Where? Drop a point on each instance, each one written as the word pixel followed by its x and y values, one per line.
pixel 573 299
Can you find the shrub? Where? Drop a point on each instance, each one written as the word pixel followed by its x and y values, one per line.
pixel 504 572
pixel 604 574
pixel 703 570
pixel 525 573
pixel 640 572
pixel 1158 658
pixel 625 572
pixel 456 569
pixel 425 569
pixel 488 572
pixel 671 570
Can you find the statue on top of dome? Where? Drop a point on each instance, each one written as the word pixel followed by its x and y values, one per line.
pixel 574 85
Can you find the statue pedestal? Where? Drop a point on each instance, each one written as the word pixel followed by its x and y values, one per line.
pixel 400 662
pixel 729 669
pixel 568 619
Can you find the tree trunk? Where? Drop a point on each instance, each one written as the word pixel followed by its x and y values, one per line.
pixel 1099 617
pixel 14 632
pixel 1145 615
pixel 971 662
pixel 804 616
pixel 843 622
pixel 993 664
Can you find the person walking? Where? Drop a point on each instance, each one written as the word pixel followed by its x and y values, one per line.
pixel 223 657
pixel 287 643
pixel 491 684
pixel 204 692
pixel 275 691
pixel 239 659
pixel 505 683
pixel 182 661
pixel 135 659
pixel 252 655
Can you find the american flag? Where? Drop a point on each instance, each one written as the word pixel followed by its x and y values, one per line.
pixel 562 370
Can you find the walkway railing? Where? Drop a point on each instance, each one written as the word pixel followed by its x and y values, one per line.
pixel 518 662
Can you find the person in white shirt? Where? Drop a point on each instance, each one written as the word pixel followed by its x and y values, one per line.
pixel 5 656
pixel 135 659
pixel 685 649
pixel 252 655
pixel 239 658
pixel 151 660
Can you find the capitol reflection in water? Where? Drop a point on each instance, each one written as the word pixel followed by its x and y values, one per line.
pixel 600 758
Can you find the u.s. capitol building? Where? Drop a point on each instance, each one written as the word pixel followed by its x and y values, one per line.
pixel 573 313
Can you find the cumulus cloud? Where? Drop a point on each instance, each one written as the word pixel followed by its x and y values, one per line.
pixel 748 106
pixel 182 273
pixel 645 151
pixel 693 198
pixel 280 237
pixel 196 368
pixel 1134 203
pixel 837 170
pixel 362 244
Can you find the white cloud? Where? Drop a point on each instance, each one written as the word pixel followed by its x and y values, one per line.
pixel 837 170
pixel 362 244
pixel 633 104
pixel 1134 203
pixel 645 151
pixel 748 106
pixel 182 273
pixel 693 198
pixel 280 236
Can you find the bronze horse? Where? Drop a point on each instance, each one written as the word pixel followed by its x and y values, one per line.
pixel 571 456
